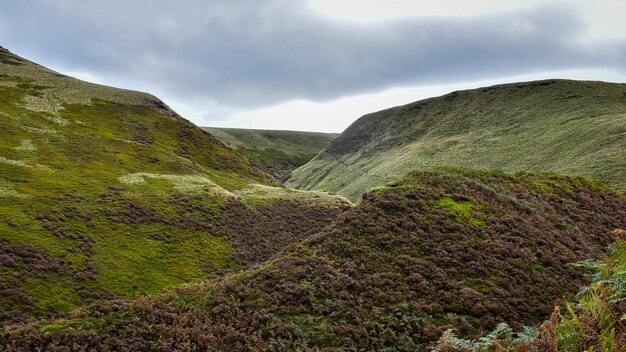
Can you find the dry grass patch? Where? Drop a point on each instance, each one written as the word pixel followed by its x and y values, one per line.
pixel 7 192
pixel 24 164
pixel 188 184
pixel 26 145
pixel 261 193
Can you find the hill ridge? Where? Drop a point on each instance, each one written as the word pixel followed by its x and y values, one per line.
pixel 566 126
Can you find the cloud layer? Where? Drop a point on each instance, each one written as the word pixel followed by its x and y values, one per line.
pixel 241 55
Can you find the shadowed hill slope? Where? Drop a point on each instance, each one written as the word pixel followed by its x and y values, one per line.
pixel 433 251
pixel 107 193
pixel 569 127
pixel 279 152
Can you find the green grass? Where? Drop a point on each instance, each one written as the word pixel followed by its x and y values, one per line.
pixel 54 293
pixel 280 152
pixel 568 127
pixel 463 209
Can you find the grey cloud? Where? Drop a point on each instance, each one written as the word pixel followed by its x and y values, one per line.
pixel 253 53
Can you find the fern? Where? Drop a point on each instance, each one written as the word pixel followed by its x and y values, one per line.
pixel 597 320
pixel 526 335
pixel 502 332
pixel 501 338
pixel 449 340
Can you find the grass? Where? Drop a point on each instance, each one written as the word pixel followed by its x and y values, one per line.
pixel 158 264
pixel 568 127
pixel 187 184
pixel 51 294
pixel 463 209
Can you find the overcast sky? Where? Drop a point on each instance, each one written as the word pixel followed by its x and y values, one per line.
pixel 314 65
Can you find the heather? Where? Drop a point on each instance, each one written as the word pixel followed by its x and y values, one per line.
pixel 593 321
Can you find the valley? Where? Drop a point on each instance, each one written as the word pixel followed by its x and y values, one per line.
pixel 279 152
pixel 125 227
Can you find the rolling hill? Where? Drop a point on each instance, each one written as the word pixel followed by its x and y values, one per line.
pixel 434 250
pixel 568 127
pixel 109 194
pixel 279 152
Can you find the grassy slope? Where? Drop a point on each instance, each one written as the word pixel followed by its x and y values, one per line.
pixel 568 127
pixel 435 250
pixel 280 152
pixel 108 193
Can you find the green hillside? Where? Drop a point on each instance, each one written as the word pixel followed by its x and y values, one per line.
pixel 279 152
pixel 569 127
pixel 435 250
pixel 107 193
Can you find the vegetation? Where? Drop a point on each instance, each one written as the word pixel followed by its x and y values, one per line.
pixel 502 338
pixel 594 322
pixel 107 193
pixel 393 273
pixel 279 152
pixel 568 127
pixel 125 227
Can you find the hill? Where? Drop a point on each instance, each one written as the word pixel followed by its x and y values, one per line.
pixel 279 152
pixel 108 193
pixel 435 250
pixel 568 127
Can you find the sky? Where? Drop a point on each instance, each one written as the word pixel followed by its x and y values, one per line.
pixel 314 65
